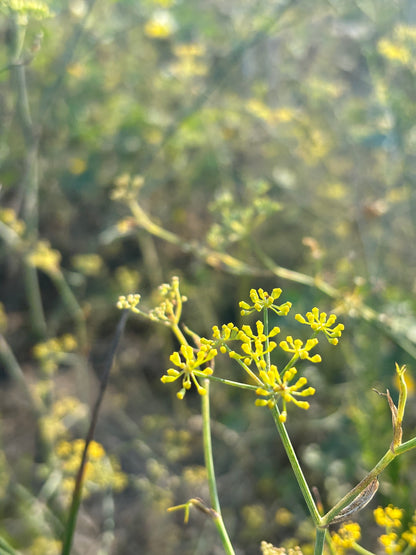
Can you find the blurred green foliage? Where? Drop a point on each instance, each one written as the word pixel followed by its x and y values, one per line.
pixel 280 133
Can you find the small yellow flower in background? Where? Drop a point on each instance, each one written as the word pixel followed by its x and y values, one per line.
pixel 409 536
pixel 45 546
pixel 389 517
pixel 347 536
pixel 188 63
pixel 101 471
pixel 296 347
pixel 394 51
pixel 169 308
pixel 45 258
pixel 283 517
pixel 28 8
pixel 321 322
pixel 161 25
pixel 189 364
pixel 127 278
pixel 391 543
pixel 76 70
pixel 262 299
pixel 191 49
pixel 8 216
pixel 127 187
pixel 130 302
pixel 63 414
pixel 53 351
pixel 77 166
pixel 88 264
pixel 269 549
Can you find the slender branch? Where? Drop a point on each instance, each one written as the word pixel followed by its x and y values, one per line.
pixel 77 493
pixel 297 470
pixel 209 464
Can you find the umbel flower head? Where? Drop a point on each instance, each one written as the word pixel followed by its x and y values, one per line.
pixel 190 367
pixel 261 299
pixel 320 322
pixel 275 386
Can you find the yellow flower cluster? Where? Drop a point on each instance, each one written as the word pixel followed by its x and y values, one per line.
pixel 88 264
pixel 296 347
pixel 189 64
pixel 391 519
pixel 261 300
pixel 45 258
pixel 8 217
pixel 126 187
pixel 347 536
pixel 190 367
pixel 271 116
pixel 53 351
pixel 320 322
pixel 269 549
pixel 63 414
pixel 27 8
pixel 45 546
pixel 254 346
pixel 277 385
pixel 394 51
pixel 129 302
pixel 161 25
pixel 169 308
pixel 101 472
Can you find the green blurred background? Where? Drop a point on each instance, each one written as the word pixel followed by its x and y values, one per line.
pixel 279 133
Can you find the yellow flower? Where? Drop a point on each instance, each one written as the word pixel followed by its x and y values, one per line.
pixel 88 264
pixel 394 51
pixel 320 322
pixel 296 347
pixel 390 543
pixel 161 25
pixel 45 258
pixel 389 517
pixel 262 299
pixel 347 536
pixel 274 386
pixel 189 366
pixel 254 346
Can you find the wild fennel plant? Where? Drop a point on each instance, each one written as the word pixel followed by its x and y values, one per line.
pixel 276 387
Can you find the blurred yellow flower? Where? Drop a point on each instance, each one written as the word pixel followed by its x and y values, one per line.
pixel 394 51
pixel 161 25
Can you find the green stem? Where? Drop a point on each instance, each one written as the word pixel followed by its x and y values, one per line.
pixel 229 382
pixel 209 464
pixel 360 549
pixel 73 307
pixel 319 541
pixel 296 467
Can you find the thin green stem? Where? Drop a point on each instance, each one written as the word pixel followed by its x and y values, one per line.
pixel 246 368
pixel 73 307
pixel 360 549
pixel 209 464
pixel 228 382
pixel 296 466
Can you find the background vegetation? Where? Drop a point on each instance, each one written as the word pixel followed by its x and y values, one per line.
pixel 237 145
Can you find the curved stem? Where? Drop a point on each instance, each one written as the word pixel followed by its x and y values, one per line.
pixel 209 464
